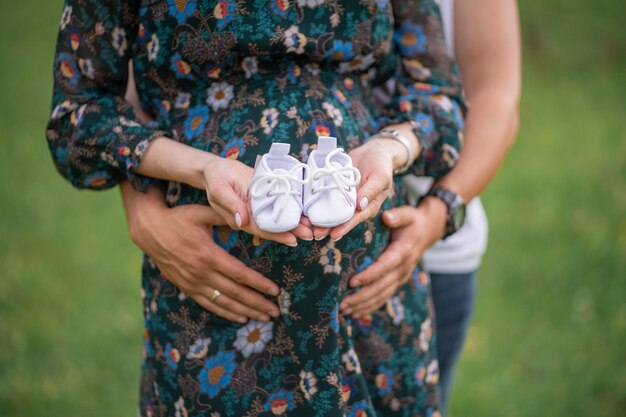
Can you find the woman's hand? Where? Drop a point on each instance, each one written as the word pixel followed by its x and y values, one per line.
pixel 414 231
pixel 376 159
pixel 180 241
pixel 375 163
pixel 226 184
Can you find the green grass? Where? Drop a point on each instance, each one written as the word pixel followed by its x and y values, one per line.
pixel 550 324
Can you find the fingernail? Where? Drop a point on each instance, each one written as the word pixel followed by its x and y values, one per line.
pixel 293 245
pixel 363 203
pixel 273 291
pixel 320 238
pixel 275 313
pixel 265 317
pixel 355 283
pixel 343 306
pixel 336 239
pixel 307 239
pixel 242 320
pixel 391 215
pixel 347 311
pixel 238 219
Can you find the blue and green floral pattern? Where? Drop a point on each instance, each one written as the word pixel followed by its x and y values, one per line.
pixel 230 77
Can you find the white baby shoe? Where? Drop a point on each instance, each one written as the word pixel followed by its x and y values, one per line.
pixel 276 190
pixel 330 193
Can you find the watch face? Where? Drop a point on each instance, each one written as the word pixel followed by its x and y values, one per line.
pixel 459 217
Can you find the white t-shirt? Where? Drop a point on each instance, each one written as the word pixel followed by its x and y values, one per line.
pixel 462 252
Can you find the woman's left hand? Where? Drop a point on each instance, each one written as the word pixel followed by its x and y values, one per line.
pixel 375 163
pixel 414 231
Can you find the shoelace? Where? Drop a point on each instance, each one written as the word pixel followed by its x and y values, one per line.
pixel 342 180
pixel 274 179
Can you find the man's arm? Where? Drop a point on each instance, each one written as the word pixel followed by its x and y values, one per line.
pixel 489 55
pixel 488 50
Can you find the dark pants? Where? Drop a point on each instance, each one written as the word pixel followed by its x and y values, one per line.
pixel 453 295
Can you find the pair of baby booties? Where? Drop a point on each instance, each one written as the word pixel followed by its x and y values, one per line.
pixel 282 188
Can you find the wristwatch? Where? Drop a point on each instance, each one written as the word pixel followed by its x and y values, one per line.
pixel 456 208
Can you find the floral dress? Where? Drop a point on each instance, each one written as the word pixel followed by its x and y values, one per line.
pixel 230 77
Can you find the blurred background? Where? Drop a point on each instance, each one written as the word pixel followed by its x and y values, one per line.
pixel 549 333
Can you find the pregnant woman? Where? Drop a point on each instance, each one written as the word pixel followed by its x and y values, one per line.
pixel 222 81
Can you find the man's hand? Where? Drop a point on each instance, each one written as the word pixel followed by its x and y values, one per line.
pixel 414 231
pixel 180 241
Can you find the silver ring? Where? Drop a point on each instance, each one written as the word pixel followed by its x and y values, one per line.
pixel 216 293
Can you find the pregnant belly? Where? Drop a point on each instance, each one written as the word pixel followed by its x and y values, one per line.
pixel 313 277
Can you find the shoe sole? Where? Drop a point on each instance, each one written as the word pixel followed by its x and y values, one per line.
pixel 273 230
pixel 333 224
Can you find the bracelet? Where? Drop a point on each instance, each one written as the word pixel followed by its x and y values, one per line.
pixel 410 150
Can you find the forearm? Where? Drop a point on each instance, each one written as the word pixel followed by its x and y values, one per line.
pixel 490 130
pixel 167 159
pixel 489 55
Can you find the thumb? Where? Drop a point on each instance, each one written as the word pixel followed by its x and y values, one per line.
pixel 399 216
pixel 207 215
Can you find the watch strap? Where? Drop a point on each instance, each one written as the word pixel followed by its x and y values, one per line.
pixel 451 198
pixel 453 202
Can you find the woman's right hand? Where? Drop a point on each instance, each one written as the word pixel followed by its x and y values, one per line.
pixel 226 183
pixel 180 241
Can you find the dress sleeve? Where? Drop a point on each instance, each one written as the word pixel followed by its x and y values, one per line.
pixel 426 88
pixel 94 136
